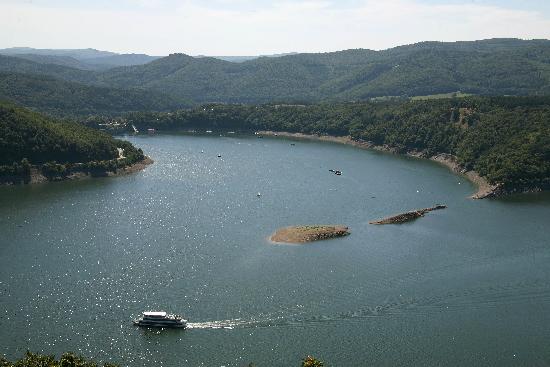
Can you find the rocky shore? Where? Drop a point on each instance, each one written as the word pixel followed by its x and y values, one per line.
pixel 304 234
pixel 484 188
pixel 408 216
pixel 36 175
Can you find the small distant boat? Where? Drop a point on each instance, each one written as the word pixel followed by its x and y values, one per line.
pixel 219 155
pixel 209 131
pixel 160 319
pixel 338 173
pixel 150 131
pixel 231 132
pixel 258 194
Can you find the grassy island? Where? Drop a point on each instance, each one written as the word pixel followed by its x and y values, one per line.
pixel 304 234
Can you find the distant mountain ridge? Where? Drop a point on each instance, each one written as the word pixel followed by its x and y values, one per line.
pixel 486 67
pixel 246 58
pixel 85 59
pixel 79 54
pixel 92 59
pixel 498 66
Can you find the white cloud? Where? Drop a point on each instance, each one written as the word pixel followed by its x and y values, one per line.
pixel 237 27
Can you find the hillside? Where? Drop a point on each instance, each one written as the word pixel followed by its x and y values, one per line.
pixel 67 61
pixel 489 67
pixel 120 60
pixel 504 139
pixel 62 98
pixel 87 59
pixel 10 64
pixel 29 139
pixel 511 67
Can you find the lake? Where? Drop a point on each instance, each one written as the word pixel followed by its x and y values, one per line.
pixel 468 285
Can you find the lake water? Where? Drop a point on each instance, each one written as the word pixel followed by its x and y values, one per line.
pixel 465 286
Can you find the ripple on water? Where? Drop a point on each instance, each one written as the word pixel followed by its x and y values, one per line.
pixel 80 260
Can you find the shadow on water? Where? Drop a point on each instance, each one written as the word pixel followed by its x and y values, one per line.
pixel 29 192
pixel 531 198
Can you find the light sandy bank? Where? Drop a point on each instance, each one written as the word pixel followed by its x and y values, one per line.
pixel 304 234
pixel 484 188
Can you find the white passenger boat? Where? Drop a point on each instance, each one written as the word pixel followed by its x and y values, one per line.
pixel 160 319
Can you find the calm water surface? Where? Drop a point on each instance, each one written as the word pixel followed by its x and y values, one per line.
pixel 469 285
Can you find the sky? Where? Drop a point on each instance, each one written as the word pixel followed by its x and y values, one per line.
pixel 262 27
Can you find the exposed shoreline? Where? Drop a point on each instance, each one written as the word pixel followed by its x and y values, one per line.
pixel 305 234
pixel 36 175
pixel 484 188
pixel 407 216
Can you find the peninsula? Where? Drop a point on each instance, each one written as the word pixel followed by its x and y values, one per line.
pixel 37 148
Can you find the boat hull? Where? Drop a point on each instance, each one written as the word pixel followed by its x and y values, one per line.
pixel 166 325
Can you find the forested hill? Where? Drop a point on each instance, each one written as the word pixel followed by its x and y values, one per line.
pixel 489 67
pixel 31 139
pixel 63 98
pixel 496 67
pixel 505 139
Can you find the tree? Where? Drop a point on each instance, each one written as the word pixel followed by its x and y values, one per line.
pixel 310 361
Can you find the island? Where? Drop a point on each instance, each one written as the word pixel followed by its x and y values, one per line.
pixel 408 216
pixel 304 234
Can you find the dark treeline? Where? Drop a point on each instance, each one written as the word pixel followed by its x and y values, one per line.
pixel 29 139
pixel 72 360
pixel 40 360
pixel 505 139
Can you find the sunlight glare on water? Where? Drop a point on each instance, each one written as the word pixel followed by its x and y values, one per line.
pixel 80 260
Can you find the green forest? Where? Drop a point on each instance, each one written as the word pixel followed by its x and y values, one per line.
pixel 61 98
pixel 505 139
pixel 361 93
pixel 488 67
pixel 56 147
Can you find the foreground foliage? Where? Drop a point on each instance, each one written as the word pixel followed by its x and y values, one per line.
pixel 39 360
pixel 505 139
pixel 310 361
pixel 72 360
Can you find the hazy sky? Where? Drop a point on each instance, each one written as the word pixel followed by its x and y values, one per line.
pixel 246 27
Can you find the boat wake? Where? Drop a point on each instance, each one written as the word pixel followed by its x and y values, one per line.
pixel 519 293
pixel 229 324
